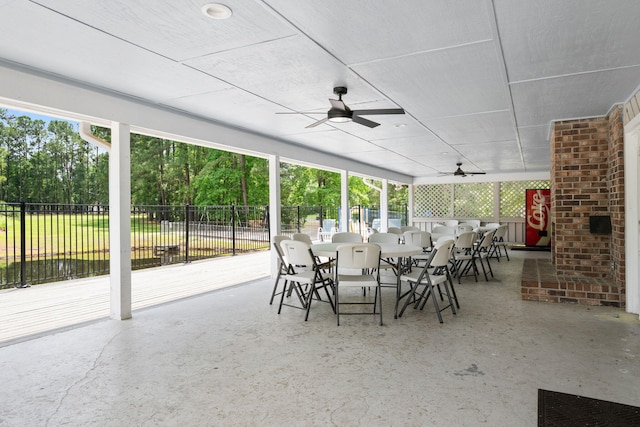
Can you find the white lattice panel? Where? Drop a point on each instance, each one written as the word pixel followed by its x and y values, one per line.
pixel 474 200
pixel 432 200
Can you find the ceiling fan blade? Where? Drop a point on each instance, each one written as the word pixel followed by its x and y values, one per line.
pixel 476 173
pixel 319 122
pixel 301 112
pixel 363 121
pixel 336 103
pixel 378 111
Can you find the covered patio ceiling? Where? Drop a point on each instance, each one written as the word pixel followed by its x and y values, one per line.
pixel 480 80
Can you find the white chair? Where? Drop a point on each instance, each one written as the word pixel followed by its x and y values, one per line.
pixel 451 222
pixel 482 251
pixel 421 239
pixel 439 261
pixel 384 238
pixel 463 255
pixel 462 228
pixel 365 258
pixel 304 276
pixel 387 263
pixel 499 243
pixel 283 267
pixel 302 237
pixel 346 237
pixel 406 228
pixel 492 225
pixel 475 223
pixel 442 230
pixel 395 230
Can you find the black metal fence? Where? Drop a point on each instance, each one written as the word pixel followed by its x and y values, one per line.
pixel 50 242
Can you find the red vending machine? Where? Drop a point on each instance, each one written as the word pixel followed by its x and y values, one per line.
pixel 538 224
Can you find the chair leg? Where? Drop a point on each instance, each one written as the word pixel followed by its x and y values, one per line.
pixel 453 290
pixel 275 287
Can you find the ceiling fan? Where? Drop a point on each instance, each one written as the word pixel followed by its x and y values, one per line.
pixel 460 172
pixel 341 113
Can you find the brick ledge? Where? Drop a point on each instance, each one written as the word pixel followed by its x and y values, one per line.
pixel 540 282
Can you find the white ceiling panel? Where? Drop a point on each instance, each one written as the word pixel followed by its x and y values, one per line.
pixel 547 38
pixel 301 75
pixel 539 102
pixel 483 127
pixel 177 29
pixel 241 109
pixel 93 57
pixel 534 137
pixel 449 82
pixel 357 31
pixel 335 141
pixel 502 155
pixel 415 146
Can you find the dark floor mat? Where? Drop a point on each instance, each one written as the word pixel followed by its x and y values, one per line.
pixel 567 410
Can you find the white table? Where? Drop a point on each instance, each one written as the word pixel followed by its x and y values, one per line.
pixel 387 250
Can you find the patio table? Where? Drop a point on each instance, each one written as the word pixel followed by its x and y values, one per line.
pixel 387 251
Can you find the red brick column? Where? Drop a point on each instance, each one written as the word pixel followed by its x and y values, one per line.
pixel 587 179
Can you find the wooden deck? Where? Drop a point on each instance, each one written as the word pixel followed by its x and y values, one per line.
pixel 42 308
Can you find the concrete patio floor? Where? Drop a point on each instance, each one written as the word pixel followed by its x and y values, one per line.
pixel 227 358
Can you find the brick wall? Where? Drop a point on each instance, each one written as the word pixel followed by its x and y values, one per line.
pixel 587 178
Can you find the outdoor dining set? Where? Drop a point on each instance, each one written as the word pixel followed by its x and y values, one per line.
pixel 428 262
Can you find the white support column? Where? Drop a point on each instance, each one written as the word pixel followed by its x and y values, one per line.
pixel 275 224
pixel 410 189
pixel 496 201
pixel 632 215
pixel 384 206
pixel 344 201
pixel 120 221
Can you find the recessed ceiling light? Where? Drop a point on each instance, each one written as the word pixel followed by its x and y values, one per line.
pixel 400 125
pixel 444 153
pixel 217 11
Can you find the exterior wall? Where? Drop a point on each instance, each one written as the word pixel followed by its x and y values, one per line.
pixel 587 178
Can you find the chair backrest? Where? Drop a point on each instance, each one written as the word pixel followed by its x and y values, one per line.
pixel 297 253
pixel 500 233
pixel 278 239
pixel 302 237
pixel 442 253
pixel 418 238
pixel 346 237
pixel 466 240
pixel 406 228
pixel 475 223
pixel 358 256
pixel 487 239
pixel 384 238
pixel 395 230
pixel 492 225
pixel 451 222
pixel 443 229
pixel 328 224
pixel 461 228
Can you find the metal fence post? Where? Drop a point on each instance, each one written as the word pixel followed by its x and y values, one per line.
pixel 298 218
pixel 266 215
pixel 23 246
pixel 186 232
pixel 233 229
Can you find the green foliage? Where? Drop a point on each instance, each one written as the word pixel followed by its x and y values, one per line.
pixel 51 163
